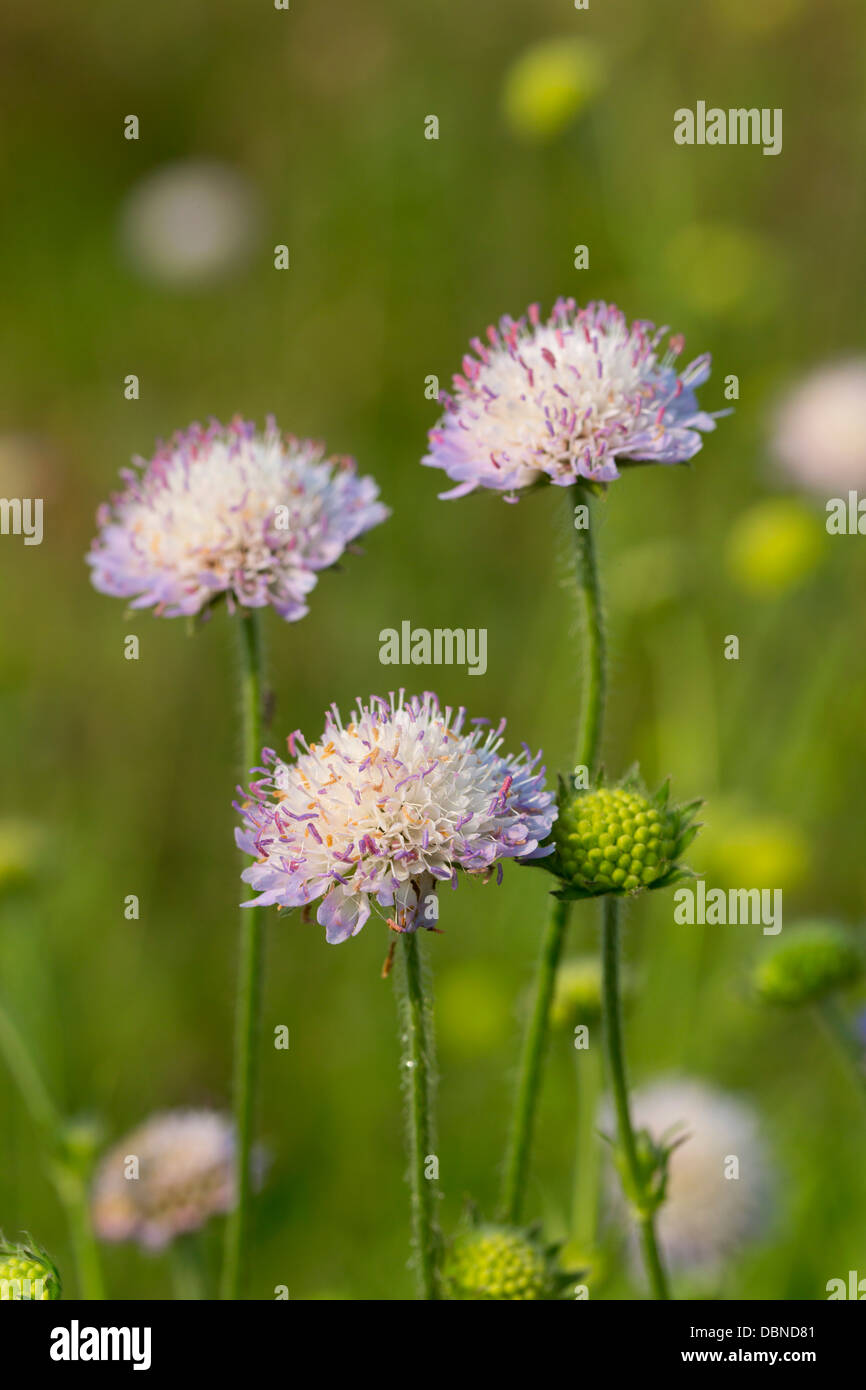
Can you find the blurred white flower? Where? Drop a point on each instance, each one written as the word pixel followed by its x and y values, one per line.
pixel 820 429
pixel 165 1178
pixel 190 223
pixel 708 1213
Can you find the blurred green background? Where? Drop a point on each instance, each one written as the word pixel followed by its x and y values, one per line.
pixel 118 776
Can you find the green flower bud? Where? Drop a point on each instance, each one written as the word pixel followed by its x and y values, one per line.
pixel 27 1273
pixel 577 994
pixel 815 959
pixel 619 840
pixel 501 1263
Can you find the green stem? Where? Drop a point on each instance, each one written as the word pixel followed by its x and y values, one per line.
pixel 616 1062
pixel 26 1076
pixel 588 592
pixel 529 1072
pixel 71 1179
pixel 249 986
pixel 73 1190
pixel 418 1064
pixel 584 1210
pixel 589 599
pixel 187 1273
pixel 836 1025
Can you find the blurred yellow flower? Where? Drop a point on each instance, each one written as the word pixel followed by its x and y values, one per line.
pixel 549 85
pixel 20 844
pixel 774 545
pixel 718 268
pixel 748 849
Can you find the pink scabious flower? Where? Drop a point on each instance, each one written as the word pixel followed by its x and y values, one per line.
pixel 820 428
pixel 227 510
pixel 387 806
pixel 570 398
pixel 182 1174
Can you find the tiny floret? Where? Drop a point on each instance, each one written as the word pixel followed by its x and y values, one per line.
pixel 384 808
pixel 225 511
pixel 577 396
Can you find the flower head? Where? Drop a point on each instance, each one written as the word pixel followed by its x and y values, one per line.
pixel 571 398
pixel 619 840
pixel 387 807
pixel 820 429
pixel 165 1178
pixel 27 1273
pixel 816 959
pixel 487 1263
pixel 226 510
pixel 706 1212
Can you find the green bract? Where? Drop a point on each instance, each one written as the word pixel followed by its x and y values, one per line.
pixel 815 959
pixel 502 1263
pixel 618 839
pixel 27 1273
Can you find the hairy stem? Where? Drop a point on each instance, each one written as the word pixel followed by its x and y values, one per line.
pixel 589 599
pixel 619 1085
pixel 588 594
pixel 249 985
pixel 529 1072
pixel 585 1192
pixel 419 1080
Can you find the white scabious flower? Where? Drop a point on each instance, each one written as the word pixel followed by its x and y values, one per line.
pixel 225 510
pixel 820 429
pixel 707 1214
pixel 571 398
pixel 190 223
pixel 387 806
pixel 165 1178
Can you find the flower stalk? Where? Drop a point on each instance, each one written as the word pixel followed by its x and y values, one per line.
pixel 71 1152
pixel 585 1191
pixel 838 1029
pixel 637 1174
pixel 249 984
pixel 588 593
pixel 418 1065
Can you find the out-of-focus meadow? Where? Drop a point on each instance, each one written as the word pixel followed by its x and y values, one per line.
pixel 118 775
